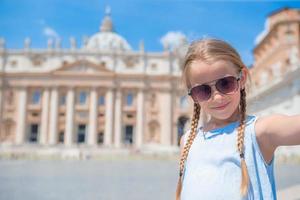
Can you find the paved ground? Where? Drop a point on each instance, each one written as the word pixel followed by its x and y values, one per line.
pixel 124 179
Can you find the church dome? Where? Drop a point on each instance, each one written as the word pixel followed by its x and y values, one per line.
pixel 107 38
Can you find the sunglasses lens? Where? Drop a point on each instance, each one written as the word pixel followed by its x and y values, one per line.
pixel 201 93
pixel 227 85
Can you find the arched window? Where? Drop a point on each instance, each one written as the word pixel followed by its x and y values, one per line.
pixel 129 99
pixel 82 97
pixel 101 100
pixel 153 100
pixel 36 97
pixel 62 99
pixel 153 134
pixel 10 97
pixel 181 127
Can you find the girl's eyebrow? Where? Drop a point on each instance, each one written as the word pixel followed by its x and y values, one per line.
pixel 216 79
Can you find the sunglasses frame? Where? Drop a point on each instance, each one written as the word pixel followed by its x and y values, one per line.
pixel 215 81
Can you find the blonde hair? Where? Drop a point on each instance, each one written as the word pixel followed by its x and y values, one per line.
pixel 210 50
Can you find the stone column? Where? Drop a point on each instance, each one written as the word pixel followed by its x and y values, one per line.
pixel 1 109
pixel 69 117
pixel 296 98
pixel 92 134
pixel 175 129
pixel 21 116
pixel 45 112
pixel 140 118
pixel 165 117
pixel 109 120
pixel 53 117
pixel 174 118
pixel 1 117
pixel 118 118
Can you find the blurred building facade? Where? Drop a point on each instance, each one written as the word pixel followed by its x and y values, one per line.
pixel 276 69
pixel 103 94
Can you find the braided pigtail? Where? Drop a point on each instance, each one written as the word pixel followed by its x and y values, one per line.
pixel 240 144
pixel 187 146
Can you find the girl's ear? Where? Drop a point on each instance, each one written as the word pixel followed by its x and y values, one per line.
pixel 243 78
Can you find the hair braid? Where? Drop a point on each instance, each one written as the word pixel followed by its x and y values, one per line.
pixel 187 146
pixel 240 144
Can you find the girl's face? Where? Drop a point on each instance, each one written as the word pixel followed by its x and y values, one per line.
pixel 200 73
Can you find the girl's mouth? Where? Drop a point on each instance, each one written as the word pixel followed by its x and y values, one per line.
pixel 221 107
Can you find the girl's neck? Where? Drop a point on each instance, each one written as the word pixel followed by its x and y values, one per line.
pixel 214 123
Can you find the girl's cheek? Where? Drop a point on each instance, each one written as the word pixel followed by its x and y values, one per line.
pixel 205 107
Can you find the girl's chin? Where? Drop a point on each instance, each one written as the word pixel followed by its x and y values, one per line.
pixel 221 114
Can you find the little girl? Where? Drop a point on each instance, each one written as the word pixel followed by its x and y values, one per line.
pixel 231 148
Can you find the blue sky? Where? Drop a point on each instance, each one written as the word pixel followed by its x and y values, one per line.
pixel 238 22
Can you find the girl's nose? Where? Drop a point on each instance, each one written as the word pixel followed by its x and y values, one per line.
pixel 215 94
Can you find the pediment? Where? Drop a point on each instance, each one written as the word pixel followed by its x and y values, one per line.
pixel 82 67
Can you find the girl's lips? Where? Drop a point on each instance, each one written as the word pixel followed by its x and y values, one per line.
pixel 221 107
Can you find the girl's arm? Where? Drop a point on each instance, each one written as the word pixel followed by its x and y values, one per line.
pixel 281 130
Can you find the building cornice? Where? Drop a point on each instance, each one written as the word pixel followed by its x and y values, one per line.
pixel 274 85
pixel 271 32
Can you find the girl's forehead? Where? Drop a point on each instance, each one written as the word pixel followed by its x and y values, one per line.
pixel 201 72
